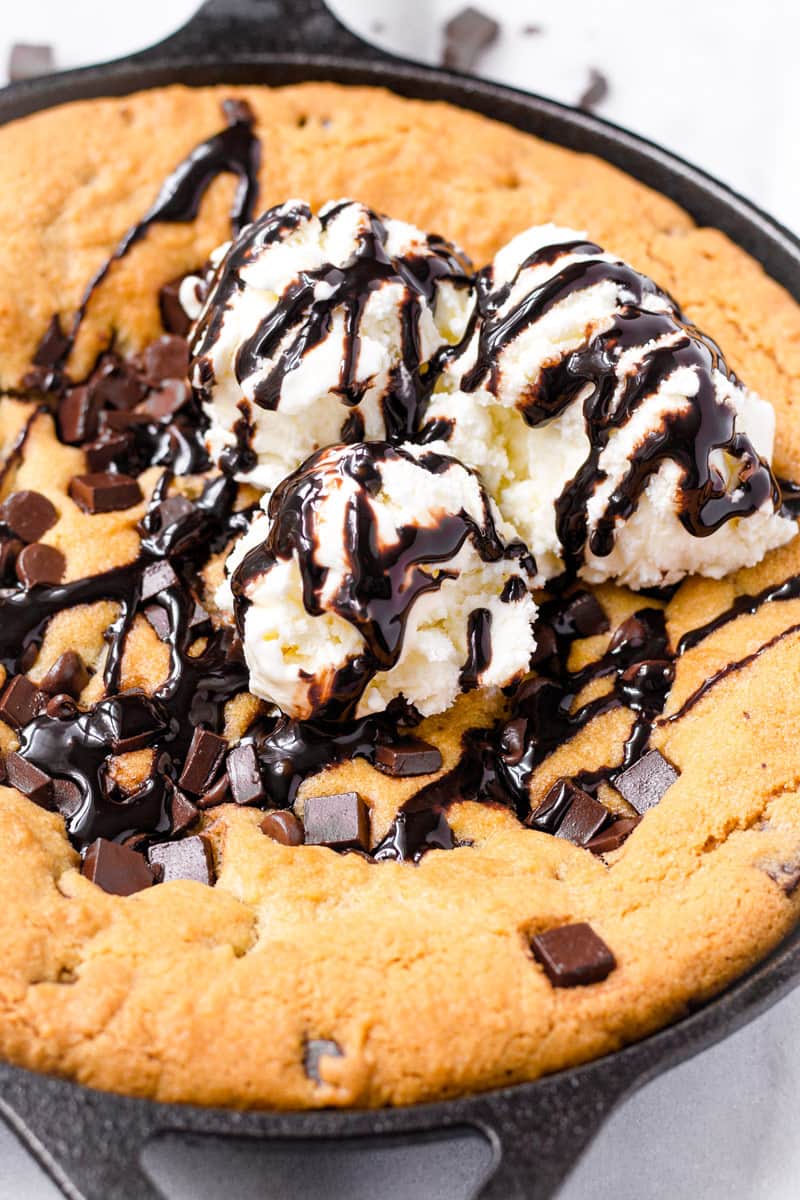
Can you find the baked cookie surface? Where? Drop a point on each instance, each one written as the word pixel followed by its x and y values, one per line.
pixel 375 982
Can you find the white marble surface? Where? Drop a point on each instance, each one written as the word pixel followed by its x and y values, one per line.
pixel 715 80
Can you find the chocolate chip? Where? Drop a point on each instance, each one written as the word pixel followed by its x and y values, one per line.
pixel 167 358
pixel 284 827
pixel 156 579
pixel 77 416
pixel 583 616
pixel 189 858
pixel 54 345
pixel 116 869
pixel 109 449
pixel 644 784
pixel 244 773
pixel 595 92
pixel 340 821
pixel 29 780
pixel 632 632
pixel 173 316
pixel 467 35
pixel 411 756
pixel 314 1050
pixel 104 491
pixel 549 814
pixel 163 404
pixel 583 819
pixel 612 837
pixel 61 707
pixel 67 674
pixel 39 564
pixel 573 955
pixel 159 620
pixel 27 61
pixel 28 515
pixel 182 812
pixel 218 793
pixel 203 760
pixel 20 702
pixel 9 549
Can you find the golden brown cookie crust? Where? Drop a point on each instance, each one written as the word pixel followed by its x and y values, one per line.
pixel 422 975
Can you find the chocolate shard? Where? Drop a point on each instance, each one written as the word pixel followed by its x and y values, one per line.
pixel 183 813
pixel 156 578
pixel 77 416
pixel 166 358
pixel 188 858
pixel 340 821
pixel 39 564
pixel 644 784
pixel 203 761
pixel 582 617
pixel 117 869
pixel 573 955
pixel 159 620
pixel 583 819
pixel 28 60
pixel 173 316
pixel 28 515
pixel 316 1049
pixel 20 702
pixel 111 448
pixel 67 674
pixel 612 837
pixel 410 756
pixel 244 774
pixel 29 780
pixel 104 491
pixel 467 35
pixel 283 826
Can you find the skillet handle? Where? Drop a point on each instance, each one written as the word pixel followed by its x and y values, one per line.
pixel 228 30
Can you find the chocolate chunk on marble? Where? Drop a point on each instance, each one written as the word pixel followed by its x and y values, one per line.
pixel 104 491
pixel 28 515
pixel 67 674
pixel 316 1049
pixel 411 756
pixel 467 35
pixel 39 564
pixel 20 701
pixel 117 869
pixel 573 955
pixel 583 819
pixel 284 827
pixel 203 760
pixel 29 780
pixel 244 774
pixel 644 784
pixel 340 821
pixel 612 837
pixel 188 858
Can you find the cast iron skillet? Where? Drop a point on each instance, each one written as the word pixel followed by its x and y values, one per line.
pixel 91 1142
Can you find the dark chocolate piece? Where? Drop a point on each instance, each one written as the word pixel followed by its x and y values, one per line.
pixel 165 402
pixel 218 793
pixel 583 616
pixel 244 774
pixel 156 579
pixel 583 819
pixel 314 1050
pixel 67 674
pixel 283 826
pixel 9 550
pixel 61 707
pixel 411 756
pixel 467 35
pixel 29 780
pixel 104 491
pixel 166 358
pixel 340 821
pixel 545 644
pixel 786 875
pixel 20 702
pixel 28 515
pixel 644 784
pixel 173 315
pixel 552 810
pixel 203 761
pixel 573 955
pixel 182 812
pixel 188 858
pixel 66 798
pixel 77 416
pixel 116 869
pixel 595 92
pixel 39 564
pixel 107 450
pixel 631 634
pixel 613 836
pixel 158 618
pixel 28 60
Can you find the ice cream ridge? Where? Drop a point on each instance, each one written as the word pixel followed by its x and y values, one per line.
pixel 434 445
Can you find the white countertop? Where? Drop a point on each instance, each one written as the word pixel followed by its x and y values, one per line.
pixel 716 81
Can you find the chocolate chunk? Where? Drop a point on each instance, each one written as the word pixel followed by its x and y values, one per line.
pixel 644 784
pixel 182 812
pixel 573 955
pixel 66 798
pixel 595 92
pixel 156 579
pixel 115 384
pixel 55 344
pixel 27 61
pixel 189 858
pixel 173 316
pixel 284 827
pixel 163 404
pixel 28 515
pixel 29 780
pixel 218 793
pixel 116 869
pixel 77 416
pixel 583 819
pixel 613 836
pixel 167 358
pixel 199 621
pixel 411 756
pixel 545 643
pixel 9 549
pixel 159 620
pixel 552 810
pixel 104 491
pixel 513 741
pixel 632 632
pixel 39 564
pixel 203 761
pixel 61 707
pixel 786 875
pixel 109 449
pixel 244 773
pixel 340 821
pixel 467 34
pixel 67 674
pixel 314 1050
pixel 582 617
pixel 131 721
pixel 20 702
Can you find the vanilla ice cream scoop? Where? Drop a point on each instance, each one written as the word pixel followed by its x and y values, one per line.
pixel 318 329
pixel 608 429
pixel 380 572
